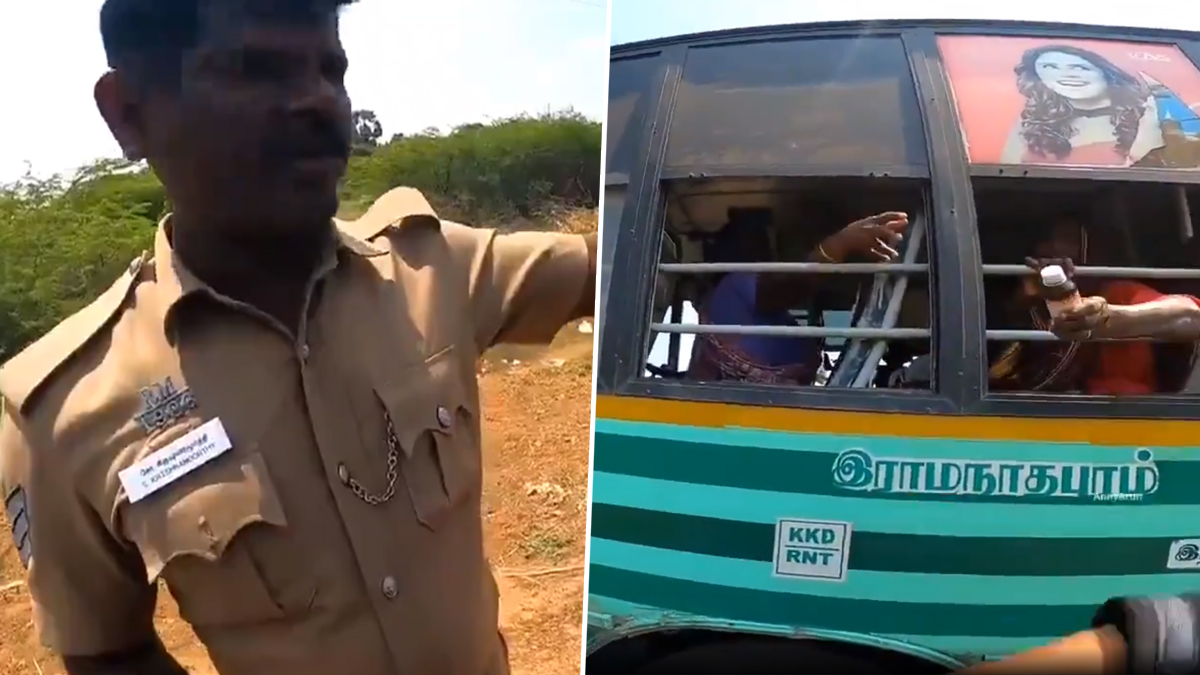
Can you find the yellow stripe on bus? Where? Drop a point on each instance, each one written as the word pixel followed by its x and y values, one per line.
pixel 1060 430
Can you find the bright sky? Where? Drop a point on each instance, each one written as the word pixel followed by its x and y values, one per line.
pixel 634 20
pixel 415 63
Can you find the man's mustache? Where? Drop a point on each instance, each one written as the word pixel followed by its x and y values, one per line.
pixel 308 145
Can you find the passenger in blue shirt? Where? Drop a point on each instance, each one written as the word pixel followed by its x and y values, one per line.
pixel 758 299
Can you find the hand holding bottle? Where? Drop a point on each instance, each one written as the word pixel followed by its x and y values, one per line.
pixel 1072 317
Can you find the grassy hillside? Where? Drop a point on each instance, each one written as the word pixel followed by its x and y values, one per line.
pixel 64 239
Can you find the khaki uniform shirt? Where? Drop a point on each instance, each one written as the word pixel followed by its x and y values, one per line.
pixel 340 531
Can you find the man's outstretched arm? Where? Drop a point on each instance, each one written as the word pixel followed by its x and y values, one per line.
pixel 525 286
pixel 1100 651
pixel 1137 636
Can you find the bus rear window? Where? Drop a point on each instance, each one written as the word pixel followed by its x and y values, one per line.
pixel 833 102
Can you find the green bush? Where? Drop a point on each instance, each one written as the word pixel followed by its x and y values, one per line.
pixel 511 167
pixel 63 240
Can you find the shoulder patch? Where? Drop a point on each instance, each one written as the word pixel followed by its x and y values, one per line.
pixel 16 512
pixel 398 207
pixel 23 375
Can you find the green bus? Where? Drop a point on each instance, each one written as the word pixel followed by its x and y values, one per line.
pixel 948 482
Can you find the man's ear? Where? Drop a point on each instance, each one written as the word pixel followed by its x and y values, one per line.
pixel 120 106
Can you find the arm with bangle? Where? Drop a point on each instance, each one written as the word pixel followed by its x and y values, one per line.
pixel 1125 309
pixel 875 238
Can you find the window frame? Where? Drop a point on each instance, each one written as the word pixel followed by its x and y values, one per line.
pixel 956 274
pixel 633 265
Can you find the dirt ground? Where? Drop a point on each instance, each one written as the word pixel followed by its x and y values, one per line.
pixel 536 408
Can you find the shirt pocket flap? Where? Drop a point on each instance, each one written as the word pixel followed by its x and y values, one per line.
pixel 202 534
pixel 432 421
pixel 430 399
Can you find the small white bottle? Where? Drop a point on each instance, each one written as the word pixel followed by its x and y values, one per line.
pixel 1058 291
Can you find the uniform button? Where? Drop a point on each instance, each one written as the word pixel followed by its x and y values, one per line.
pixel 444 418
pixel 389 587
pixel 343 474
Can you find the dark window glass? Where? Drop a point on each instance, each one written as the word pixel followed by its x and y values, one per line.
pixel 614 207
pixel 629 95
pixel 815 102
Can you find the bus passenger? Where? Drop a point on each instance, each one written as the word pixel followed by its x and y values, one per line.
pixel 1110 309
pixel 753 299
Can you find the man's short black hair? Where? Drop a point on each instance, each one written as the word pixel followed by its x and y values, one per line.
pixel 156 33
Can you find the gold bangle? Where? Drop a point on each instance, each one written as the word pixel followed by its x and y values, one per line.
pixel 824 255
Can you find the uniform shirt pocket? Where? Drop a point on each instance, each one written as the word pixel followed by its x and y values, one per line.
pixel 218 537
pixel 434 430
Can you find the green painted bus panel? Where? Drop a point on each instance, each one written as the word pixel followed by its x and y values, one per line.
pixel 960 547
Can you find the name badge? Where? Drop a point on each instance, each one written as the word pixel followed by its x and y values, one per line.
pixel 175 460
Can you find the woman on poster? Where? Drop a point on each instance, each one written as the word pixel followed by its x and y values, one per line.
pixel 1081 109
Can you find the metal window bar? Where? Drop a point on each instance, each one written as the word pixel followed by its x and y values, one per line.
pixel 675 340
pixel 1186 232
pixel 867 302
pixel 890 268
pixel 854 333
pixel 1046 336
pixel 893 288
pixel 1082 271
pixel 793 331
pixel 1101 271
pixel 794 267
pixel 921 268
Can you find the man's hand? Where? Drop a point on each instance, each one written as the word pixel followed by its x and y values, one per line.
pixel 877 238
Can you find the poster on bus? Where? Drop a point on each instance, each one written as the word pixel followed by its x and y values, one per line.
pixel 1084 103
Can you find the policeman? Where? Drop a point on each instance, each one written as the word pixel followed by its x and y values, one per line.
pixel 275 414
